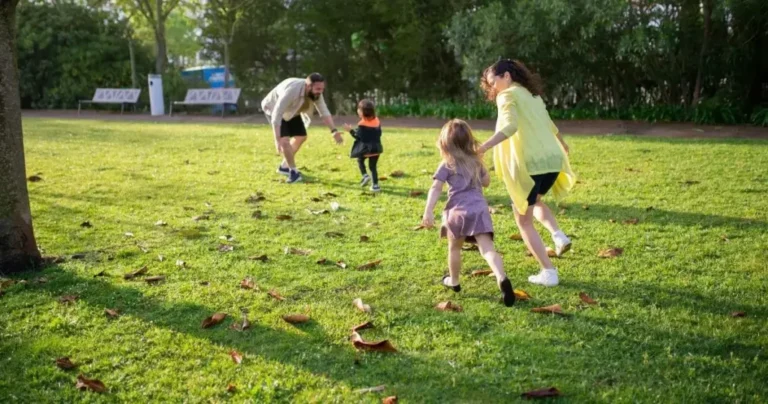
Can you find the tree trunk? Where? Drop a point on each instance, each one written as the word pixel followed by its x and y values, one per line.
pixel 704 48
pixel 18 249
pixel 162 50
pixel 134 77
pixel 226 64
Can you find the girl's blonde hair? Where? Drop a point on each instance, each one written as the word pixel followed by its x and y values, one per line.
pixel 458 147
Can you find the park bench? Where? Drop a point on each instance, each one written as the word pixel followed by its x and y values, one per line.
pixel 210 96
pixel 120 96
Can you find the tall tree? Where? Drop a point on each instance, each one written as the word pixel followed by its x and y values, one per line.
pixel 221 19
pixel 155 13
pixel 18 249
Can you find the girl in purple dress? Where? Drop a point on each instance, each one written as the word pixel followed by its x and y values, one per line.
pixel 466 216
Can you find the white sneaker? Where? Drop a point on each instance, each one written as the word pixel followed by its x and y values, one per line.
pixel 547 277
pixel 562 243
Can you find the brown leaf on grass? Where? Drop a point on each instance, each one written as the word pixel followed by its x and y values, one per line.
pixel 65 363
pixel 320 212
pixel 41 279
pixel 363 326
pixel 397 174
pixel 248 283
pixel 255 198
pixel 553 309
pixel 181 264
pixel 724 237
pixel 296 251
pixel 492 210
pixel 372 224
pixel 448 306
pixel 541 393
pixel 53 259
pixel 204 283
pixel 315 199
pixel 364 238
pixel 329 195
pixel 631 170
pixel 379 346
pixel 143 270
pixel 521 295
pixel 333 234
pixel 214 319
pixel 86 224
pixel 691 182
pixel 611 220
pixel 738 314
pixel 112 313
pixel 188 208
pixel 361 306
pixel 256 214
pixel 129 235
pixel 551 253
pixel 415 193
pixel 161 223
pixel 154 279
pixel 201 217
pixel 481 272
pixel 341 264
pixel 34 178
pixel 650 208
pixel 225 247
pixel 562 211
pixel 383 178
pixel 585 207
pixel 296 318
pixel 371 389
pixel 283 217
pixel 586 299
pixel 262 258
pixel 275 295
pixel 101 273
pixel 231 388
pixel 389 400
pixel 370 265
pixel 610 253
pixel 241 326
pixel 92 384
pixel 67 299
pixel 237 357
pixel 632 221
pixel 322 261
pixel 516 237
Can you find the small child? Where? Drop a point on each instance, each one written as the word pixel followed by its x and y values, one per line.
pixel 466 216
pixel 367 142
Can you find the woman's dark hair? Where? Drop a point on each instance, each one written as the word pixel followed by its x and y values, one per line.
pixel 368 108
pixel 315 78
pixel 517 71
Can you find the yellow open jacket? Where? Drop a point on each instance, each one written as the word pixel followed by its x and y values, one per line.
pixel 531 147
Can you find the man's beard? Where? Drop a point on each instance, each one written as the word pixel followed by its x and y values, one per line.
pixel 312 96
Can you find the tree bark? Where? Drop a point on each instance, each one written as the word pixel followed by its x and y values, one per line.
pixel 162 49
pixel 704 49
pixel 134 77
pixel 226 64
pixel 18 249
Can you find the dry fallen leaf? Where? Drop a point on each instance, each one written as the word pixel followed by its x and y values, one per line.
pixel 181 264
pixel 92 384
pixel 562 211
pixel 65 363
pixel 283 217
pixel 416 193
pixel 160 258
pixel 363 326
pixel 67 299
pixel 448 306
pixel 262 258
pixel 248 283
pixel 129 234
pixel 632 221
pixel 691 182
pixel 319 212
pixel 650 208
pixel 738 314
pixel 112 313
pixel 361 306
pixel 256 198
pixel 102 273
pixel 241 326
pixel 516 237
pixel 275 295
pixel 201 217
pixel 216 318
pixel 226 247
pixel 322 261
pixel 371 389
pixel 610 252
pixel 136 273
pixel 296 318
pixel 586 299
pixel 551 253
pixel 204 283
pixel 256 214
pixel 553 309
pixel 41 279
pixel 334 234
pixel 397 174
pixel 364 239
pixel 481 272
pixel 380 346
pixel 329 195
pixel 521 295
pixel 611 220
pixel 154 279
pixel 341 264
pixel 315 199
pixel 585 207
pixel 389 400
pixel 296 251
pixel 370 265
pixel 86 224
pixel 161 223
pixel 237 357
pixel 231 388
pixel 383 178
pixel 34 178
pixel 542 393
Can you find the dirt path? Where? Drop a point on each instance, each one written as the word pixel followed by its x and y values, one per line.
pixel 679 130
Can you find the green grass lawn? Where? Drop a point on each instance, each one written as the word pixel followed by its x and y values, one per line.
pixel 661 333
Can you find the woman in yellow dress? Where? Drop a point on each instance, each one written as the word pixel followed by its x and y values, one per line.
pixel 530 156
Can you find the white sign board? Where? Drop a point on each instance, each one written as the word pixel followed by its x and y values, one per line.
pixel 116 95
pixel 208 96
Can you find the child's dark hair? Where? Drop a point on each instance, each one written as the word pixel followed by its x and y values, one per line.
pixel 519 74
pixel 368 109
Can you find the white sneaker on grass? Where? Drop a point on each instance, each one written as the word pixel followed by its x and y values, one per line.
pixel 562 243
pixel 547 277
